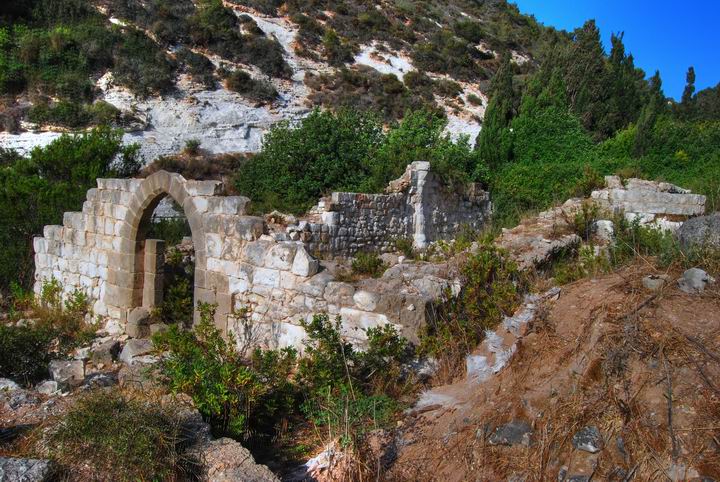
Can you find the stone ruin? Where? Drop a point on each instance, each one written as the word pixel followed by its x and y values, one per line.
pixel 262 282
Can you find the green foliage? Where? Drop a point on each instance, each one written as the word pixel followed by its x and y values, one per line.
pixel 405 246
pixel 36 190
pixel 57 327
pixel 368 264
pixel 493 143
pixel 254 89
pixel 25 352
pixel 234 397
pixel 216 28
pixel 110 433
pixel 300 163
pixel 491 289
pixel 445 53
pixel 346 391
pixel 74 115
pixel 347 151
pixel 363 88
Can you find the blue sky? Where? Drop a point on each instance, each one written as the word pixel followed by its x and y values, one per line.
pixel 662 35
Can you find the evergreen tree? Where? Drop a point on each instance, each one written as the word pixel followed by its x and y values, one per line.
pixel 493 141
pixel 707 103
pixel 686 109
pixel 650 112
pixel 624 90
pixel 586 78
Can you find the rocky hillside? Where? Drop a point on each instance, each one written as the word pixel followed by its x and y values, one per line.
pixel 223 72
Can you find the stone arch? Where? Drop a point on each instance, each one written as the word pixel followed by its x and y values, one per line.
pixel 123 275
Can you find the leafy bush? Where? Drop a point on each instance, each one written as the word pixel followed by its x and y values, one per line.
pixel 236 398
pixel 365 89
pixel 254 89
pixel 70 114
pixel 110 433
pixel 25 353
pixel 368 264
pixel 406 247
pixel 491 288
pixel 36 190
pixel 346 391
pixel 300 163
pixel 55 329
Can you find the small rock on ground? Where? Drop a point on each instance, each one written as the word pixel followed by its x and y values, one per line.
pixel 695 281
pixel 25 470
pixel 588 439
pixel 517 432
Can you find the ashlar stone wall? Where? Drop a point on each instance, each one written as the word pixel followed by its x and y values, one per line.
pixel 264 286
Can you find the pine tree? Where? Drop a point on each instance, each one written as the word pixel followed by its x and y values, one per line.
pixel 654 106
pixel 492 142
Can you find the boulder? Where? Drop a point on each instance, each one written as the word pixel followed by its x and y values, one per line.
pixel 100 379
pixel 605 230
pixel 135 348
pixel 25 470
pixel 365 300
pixel 588 439
pixel 695 281
pixel 703 231
pixel 67 373
pixel 516 432
pixel 8 385
pixel 225 460
pixel 105 352
pixel 137 324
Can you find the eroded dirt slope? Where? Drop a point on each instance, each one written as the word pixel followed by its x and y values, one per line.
pixel 641 367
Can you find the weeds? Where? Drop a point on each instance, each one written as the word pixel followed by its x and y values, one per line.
pixel 110 433
pixel 54 328
pixel 368 264
pixel 491 289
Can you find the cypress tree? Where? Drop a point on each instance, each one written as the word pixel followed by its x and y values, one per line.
pixel 492 143
pixel 650 112
pixel 687 102
pixel 586 78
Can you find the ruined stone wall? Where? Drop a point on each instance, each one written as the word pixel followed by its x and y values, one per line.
pixel 418 206
pixel 264 286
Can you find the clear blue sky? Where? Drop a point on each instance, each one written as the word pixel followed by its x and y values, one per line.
pixel 665 35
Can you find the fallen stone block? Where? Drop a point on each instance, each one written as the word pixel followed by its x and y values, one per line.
pixel 135 348
pixel 67 373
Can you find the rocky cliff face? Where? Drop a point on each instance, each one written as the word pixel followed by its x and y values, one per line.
pixel 226 121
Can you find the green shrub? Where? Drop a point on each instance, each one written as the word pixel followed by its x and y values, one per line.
pixel 55 329
pixel 192 147
pixel 25 353
pixel 491 288
pixel 346 391
pixel 254 89
pixel 109 433
pixel 474 99
pixel 368 264
pixel 233 396
pixel 406 247
pixel 36 190
pixel 448 88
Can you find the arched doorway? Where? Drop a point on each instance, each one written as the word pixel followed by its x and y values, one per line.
pixel 135 278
